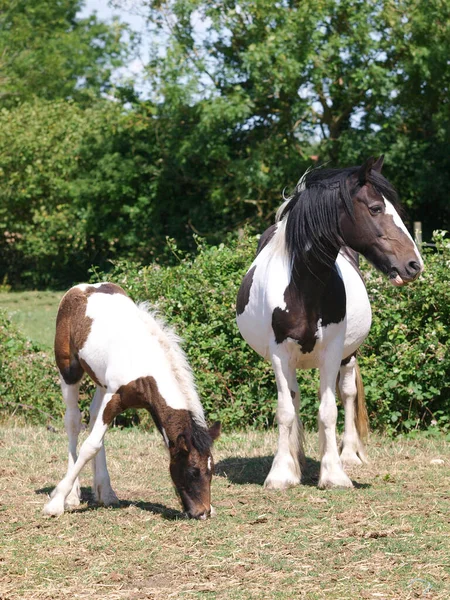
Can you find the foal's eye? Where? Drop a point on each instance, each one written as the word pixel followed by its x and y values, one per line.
pixel 376 209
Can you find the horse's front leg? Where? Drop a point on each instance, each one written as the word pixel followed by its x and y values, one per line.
pixel 332 474
pixel 356 423
pixel 286 466
pixel 101 483
pixel 88 450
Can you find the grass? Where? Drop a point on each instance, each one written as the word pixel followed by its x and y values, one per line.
pixel 34 313
pixel 388 538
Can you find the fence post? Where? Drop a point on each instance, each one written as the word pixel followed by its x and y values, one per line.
pixel 418 233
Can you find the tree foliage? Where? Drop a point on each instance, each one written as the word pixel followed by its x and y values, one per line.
pixel 46 51
pixel 243 99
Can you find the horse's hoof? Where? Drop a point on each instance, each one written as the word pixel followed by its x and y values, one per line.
pixel 71 502
pixel 279 484
pixel 106 496
pixel 350 460
pixel 53 509
pixel 339 481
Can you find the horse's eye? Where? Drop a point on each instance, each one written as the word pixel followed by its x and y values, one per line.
pixel 195 473
pixel 376 209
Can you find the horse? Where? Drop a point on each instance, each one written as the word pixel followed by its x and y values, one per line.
pixel 303 304
pixel 136 362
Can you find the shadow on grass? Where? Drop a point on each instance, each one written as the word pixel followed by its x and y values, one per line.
pixel 171 514
pixel 254 470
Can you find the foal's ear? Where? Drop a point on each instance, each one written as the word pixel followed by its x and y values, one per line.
pixel 183 444
pixel 378 164
pixel 214 430
pixel 365 169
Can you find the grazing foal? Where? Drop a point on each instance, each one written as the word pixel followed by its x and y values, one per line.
pixel 136 362
pixel 303 304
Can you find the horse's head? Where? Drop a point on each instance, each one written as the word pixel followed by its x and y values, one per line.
pixel 191 469
pixel 376 229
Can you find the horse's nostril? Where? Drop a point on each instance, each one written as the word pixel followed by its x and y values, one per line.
pixel 414 266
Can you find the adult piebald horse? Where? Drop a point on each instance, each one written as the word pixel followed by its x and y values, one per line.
pixel 303 304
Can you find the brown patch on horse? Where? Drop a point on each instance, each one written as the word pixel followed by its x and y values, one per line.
pixel 324 300
pixel 73 328
pixel 244 291
pixel 189 443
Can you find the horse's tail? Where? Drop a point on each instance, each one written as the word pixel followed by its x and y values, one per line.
pixel 361 417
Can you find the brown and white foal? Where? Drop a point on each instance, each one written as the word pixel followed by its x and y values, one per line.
pixel 136 362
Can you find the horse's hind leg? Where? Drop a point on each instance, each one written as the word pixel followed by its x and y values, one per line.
pixel 351 392
pixel 286 466
pixel 72 421
pixel 101 484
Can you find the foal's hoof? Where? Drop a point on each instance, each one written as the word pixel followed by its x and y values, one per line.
pixel 72 501
pixel 106 496
pixel 53 509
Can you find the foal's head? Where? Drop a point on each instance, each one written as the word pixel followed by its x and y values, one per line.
pixel 192 467
pixel 373 227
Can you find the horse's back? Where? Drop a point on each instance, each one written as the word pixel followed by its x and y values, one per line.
pixel 101 331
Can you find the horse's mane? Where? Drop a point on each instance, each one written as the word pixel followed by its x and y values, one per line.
pixel 311 215
pixel 170 342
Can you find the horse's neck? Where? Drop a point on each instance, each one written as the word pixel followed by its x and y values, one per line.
pixel 309 281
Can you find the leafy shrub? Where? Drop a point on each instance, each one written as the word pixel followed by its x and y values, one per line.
pixel 29 382
pixel 405 361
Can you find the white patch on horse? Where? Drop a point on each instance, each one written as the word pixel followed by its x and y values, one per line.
pixel 118 362
pixel 164 434
pixel 390 210
pixel 209 463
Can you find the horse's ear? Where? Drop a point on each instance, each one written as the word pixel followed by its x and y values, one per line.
pixel 378 164
pixel 214 430
pixel 183 444
pixel 364 170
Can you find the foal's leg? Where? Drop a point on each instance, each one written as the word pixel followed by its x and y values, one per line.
pixel 72 422
pixel 286 466
pixel 101 484
pixel 352 448
pixel 331 471
pixel 88 450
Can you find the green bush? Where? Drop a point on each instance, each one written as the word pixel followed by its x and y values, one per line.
pixel 28 379
pixel 29 382
pixel 405 361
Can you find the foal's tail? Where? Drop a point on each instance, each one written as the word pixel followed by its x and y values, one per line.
pixel 361 417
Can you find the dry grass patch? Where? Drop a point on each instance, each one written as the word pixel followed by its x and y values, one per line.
pixel 389 538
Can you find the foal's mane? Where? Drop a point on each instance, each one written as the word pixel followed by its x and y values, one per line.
pixel 310 216
pixel 170 342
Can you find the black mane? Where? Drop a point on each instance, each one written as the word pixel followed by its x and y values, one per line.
pixel 312 213
pixel 201 438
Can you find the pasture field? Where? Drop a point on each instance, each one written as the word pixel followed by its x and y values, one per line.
pixel 34 313
pixel 389 538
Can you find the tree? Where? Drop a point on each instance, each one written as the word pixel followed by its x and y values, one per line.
pixel 75 190
pixel 271 87
pixel 46 51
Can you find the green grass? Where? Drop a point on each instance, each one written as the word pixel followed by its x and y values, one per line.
pixel 34 313
pixel 388 538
